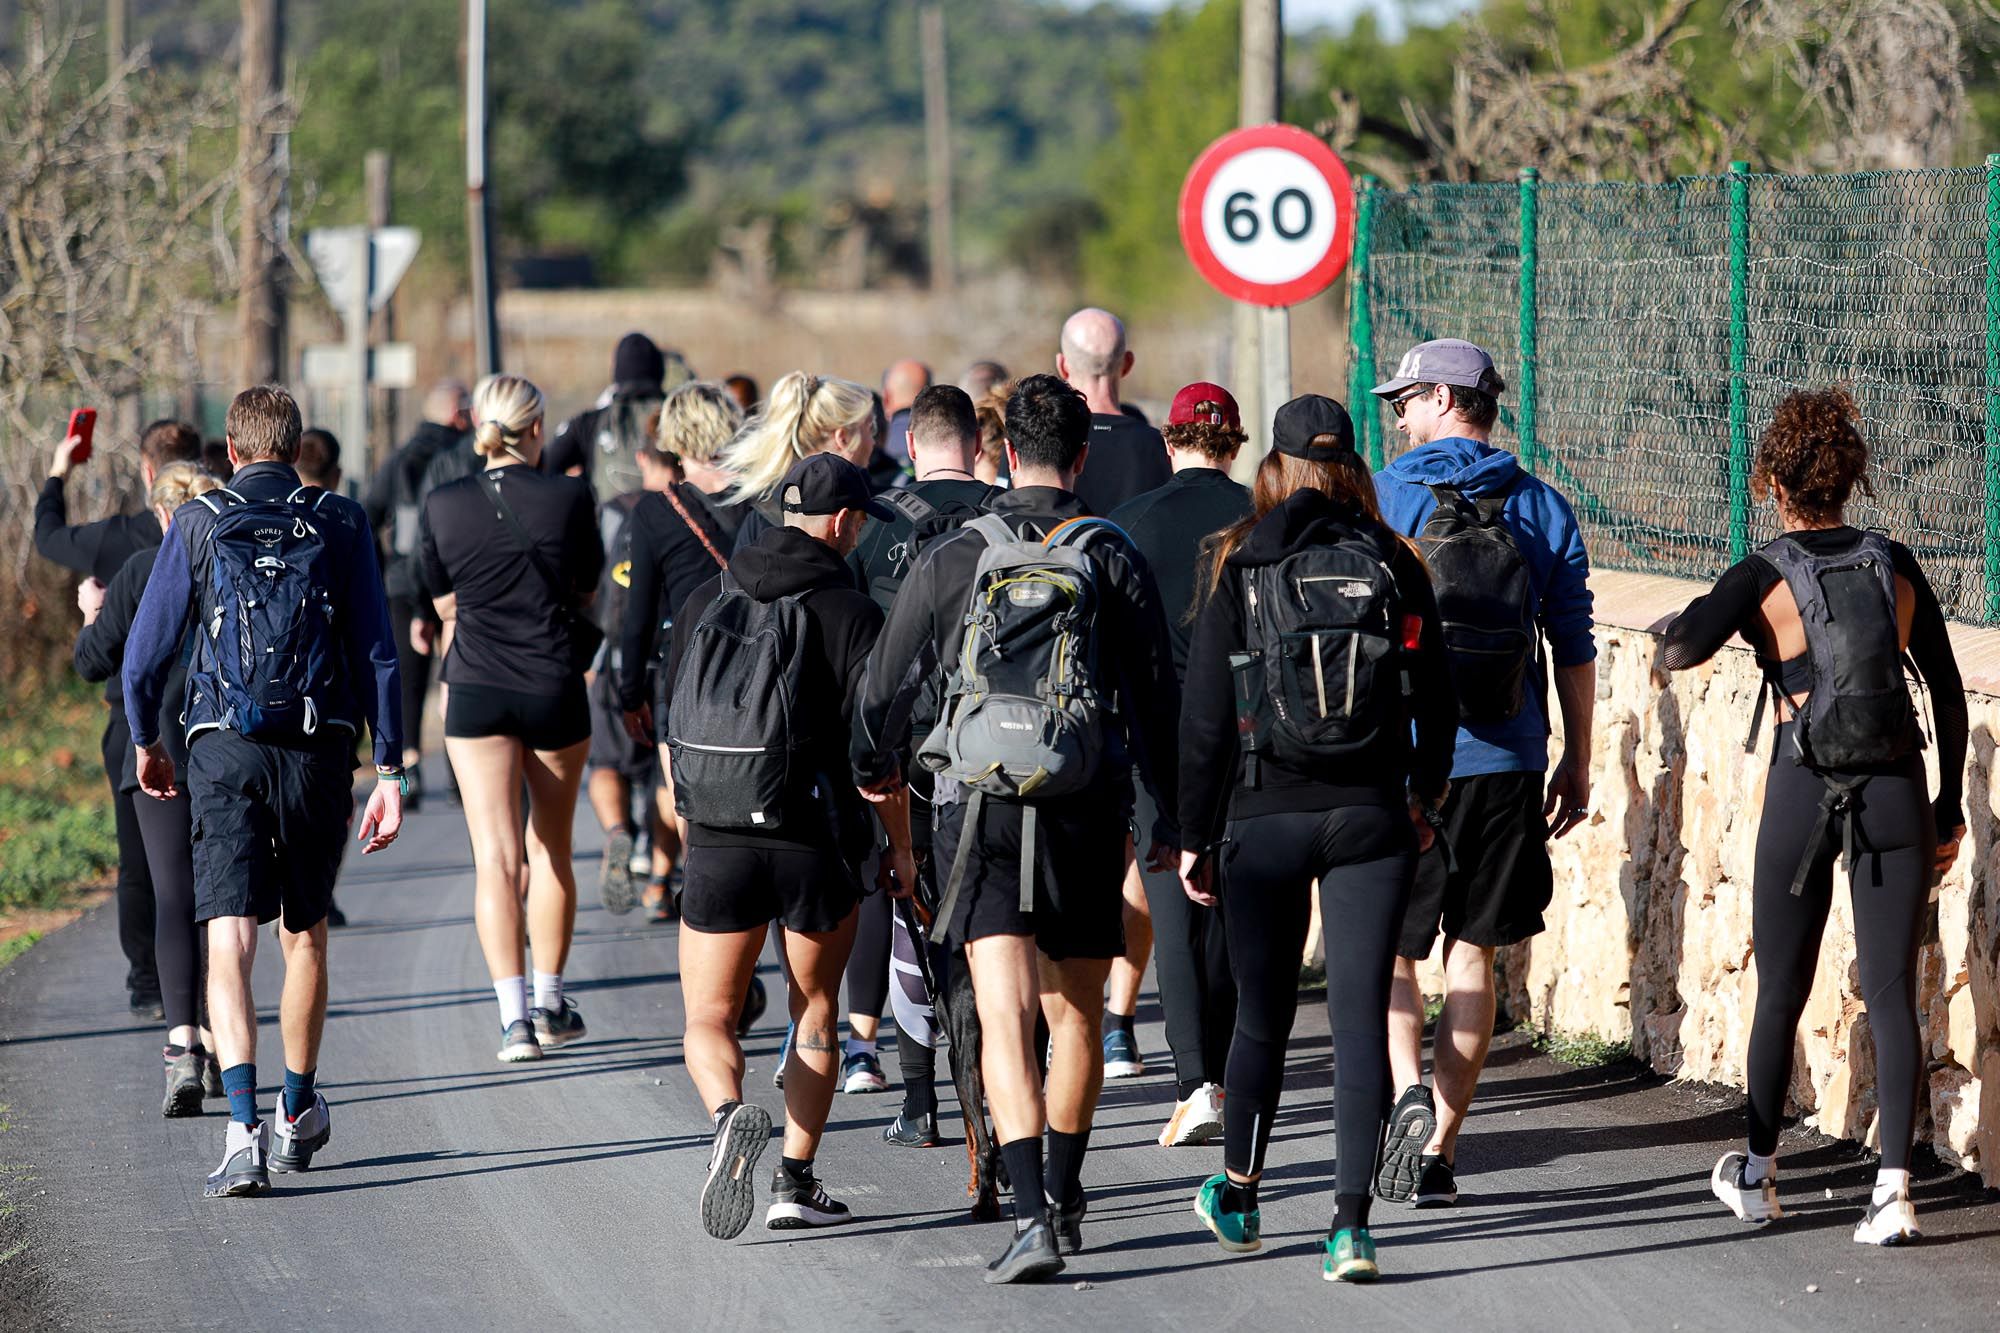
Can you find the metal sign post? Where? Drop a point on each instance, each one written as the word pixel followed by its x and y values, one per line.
pixel 358 269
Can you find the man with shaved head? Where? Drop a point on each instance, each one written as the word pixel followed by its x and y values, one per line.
pixel 395 505
pixel 1127 456
pixel 901 383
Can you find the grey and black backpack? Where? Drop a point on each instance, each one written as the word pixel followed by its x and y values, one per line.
pixel 735 732
pixel 1486 603
pixel 1025 709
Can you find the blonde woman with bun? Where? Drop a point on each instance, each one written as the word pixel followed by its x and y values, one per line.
pixel 803 415
pixel 511 556
pixel 165 827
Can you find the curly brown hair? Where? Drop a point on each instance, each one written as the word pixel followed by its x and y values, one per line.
pixel 1813 448
pixel 1210 439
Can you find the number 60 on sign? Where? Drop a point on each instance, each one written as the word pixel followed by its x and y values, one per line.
pixel 1267 215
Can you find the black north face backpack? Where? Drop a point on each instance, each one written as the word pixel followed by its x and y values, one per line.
pixel 1486 601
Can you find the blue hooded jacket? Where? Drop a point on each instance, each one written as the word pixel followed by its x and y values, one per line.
pixel 1545 528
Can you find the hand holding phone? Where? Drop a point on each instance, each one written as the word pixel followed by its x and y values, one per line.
pixel 75 447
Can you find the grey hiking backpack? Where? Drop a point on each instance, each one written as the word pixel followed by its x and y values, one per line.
pixel 1024 712
pixel 734 734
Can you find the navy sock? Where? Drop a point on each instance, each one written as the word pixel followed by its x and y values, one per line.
pixel 298 1093
pixel 1064 1183
pixel 1024 1167
pixel 239 1084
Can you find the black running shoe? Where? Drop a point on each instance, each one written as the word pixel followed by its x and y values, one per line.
pixel 184 1078
pixel 614 884
pixel 797 1205
pixel 147 1004
pixel 211 1076
pixel 1411 1125
pixel 243 1168
pixel 1069 1224
pixel 335 918
pixel 518 1043
pixel 557 1028
pixel 1031 1256
pixel 754 1004
pixel 906 1131
pixel 728 1197
pixel 1437 1185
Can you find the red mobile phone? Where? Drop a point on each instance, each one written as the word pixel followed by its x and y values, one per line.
pixel 82 423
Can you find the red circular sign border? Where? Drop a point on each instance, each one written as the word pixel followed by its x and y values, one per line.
pixel 1309 146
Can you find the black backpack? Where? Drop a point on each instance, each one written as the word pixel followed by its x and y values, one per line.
pixel 888 566
pixel 614 526
pixel 734 729
pixel 1859 712
pixel 1322 674
pixel 1486 602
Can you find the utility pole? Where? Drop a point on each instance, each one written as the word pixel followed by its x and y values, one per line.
pixel 260 304
pixel 375 172
pixel 1263 368
pixel 478 202
pixel 937 149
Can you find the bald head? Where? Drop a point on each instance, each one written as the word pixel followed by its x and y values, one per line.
pixel 448 403
pixel 1093 357
pixel 902 382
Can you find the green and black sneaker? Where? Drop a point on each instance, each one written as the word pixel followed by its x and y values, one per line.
pixel 1350 1256
pixel 1238 1233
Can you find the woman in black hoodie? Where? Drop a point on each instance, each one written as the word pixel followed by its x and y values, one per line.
pixel 1322 621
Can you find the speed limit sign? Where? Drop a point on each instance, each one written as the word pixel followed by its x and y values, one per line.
pixel 1267 215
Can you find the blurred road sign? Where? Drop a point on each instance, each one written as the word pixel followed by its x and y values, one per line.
pixel 338 262
pixel 390 366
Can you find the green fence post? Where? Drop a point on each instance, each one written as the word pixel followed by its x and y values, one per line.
pixel 1524 409
pixel 1993 386
pixel 1361 330
pixel 1739 355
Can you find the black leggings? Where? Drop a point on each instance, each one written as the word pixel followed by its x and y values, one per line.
pixel 868 965
pixel 1191 959
pixel 1895 840
pixel 135 883
pixel 1364 857
pixel 169 834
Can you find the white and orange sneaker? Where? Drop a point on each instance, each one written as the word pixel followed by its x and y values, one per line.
pixel 1198 1119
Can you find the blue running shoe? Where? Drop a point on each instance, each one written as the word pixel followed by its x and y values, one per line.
pixel 1121 1055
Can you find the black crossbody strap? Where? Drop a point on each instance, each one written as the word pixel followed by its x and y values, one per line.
pixel 507 516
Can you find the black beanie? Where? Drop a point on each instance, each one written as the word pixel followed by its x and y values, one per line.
pixel 638 362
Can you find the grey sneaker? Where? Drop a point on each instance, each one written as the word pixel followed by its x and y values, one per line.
pixel 184 1073
pixel 614 883
pixel 296 1138
pixel 1411 1125
pixel 730 1193
pixel 243 1168
pixel 557 1029
pixel 518 1043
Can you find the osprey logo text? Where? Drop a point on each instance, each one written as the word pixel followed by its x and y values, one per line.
pixel 268 536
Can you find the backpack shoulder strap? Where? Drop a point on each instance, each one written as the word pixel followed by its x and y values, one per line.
pixel 912 507
pixel 312 497
pixel 995 529
pixel 1079 530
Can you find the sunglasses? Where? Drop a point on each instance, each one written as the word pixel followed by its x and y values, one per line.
pixel 1401 403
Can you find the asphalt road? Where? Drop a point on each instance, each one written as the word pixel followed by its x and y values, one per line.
pixel 461 1194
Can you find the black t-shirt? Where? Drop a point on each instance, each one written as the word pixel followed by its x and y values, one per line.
pixel 512 633
pixel 1170 525
pixel 885 554
pixel 1127 458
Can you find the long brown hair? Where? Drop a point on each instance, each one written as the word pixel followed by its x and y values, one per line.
pixel 1281 476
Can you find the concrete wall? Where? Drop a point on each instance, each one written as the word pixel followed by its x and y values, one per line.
pixel 1649 934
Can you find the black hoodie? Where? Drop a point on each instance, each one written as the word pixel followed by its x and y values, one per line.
pixel 395 504
pixel 841 625
pixel 1211 789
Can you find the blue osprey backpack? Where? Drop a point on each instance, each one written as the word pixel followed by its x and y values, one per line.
pixel 266 649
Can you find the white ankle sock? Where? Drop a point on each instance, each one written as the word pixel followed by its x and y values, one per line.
pixel 856 1046
pixel 1757 1170
pixel 548 991
pixel 513 995
pixel 1889 1185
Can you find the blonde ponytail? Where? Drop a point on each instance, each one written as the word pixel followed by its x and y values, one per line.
pixel 798 419
pixel 505 407
pixel 177 483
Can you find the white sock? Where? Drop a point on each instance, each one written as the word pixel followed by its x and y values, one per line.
pixel 548 991
pixel 1890 1185
pixel 1757 1170
pixel 856 1046
pixel 513 996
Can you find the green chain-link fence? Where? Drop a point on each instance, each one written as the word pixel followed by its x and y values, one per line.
pixel 1647 331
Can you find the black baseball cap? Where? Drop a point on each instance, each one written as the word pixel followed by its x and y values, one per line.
pixel 827 484
pixel 1298 423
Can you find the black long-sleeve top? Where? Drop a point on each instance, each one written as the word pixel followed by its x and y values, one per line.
pixel 1735 606
pixel 669 561
pixel 1212 790
pixel 100 655
pixel 99 549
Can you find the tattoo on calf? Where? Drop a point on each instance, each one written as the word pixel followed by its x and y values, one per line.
pixel 813 1039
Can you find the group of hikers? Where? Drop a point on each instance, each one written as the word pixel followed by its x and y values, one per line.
pixel 975 698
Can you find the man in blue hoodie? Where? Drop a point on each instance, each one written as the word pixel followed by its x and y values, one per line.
pixel 1499 815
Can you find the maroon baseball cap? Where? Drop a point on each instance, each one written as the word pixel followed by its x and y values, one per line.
pixel 1202 401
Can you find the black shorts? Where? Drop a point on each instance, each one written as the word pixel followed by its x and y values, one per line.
pixel 270 826
pixel 728 889
pixel 610 746
pixel 1503 879
pixel 1079 888
pixel 539 721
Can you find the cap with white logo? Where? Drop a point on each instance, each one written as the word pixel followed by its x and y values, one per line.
pixel 1445 361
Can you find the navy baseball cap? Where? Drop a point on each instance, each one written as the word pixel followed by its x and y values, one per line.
pixel 827 484
pixel 1444 361
pixel 1306 418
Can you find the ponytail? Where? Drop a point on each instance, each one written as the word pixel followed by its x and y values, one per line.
pixel 797 419
pixel 505 407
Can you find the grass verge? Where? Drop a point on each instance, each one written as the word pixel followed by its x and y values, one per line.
pixel 1584 1050
pixel 56 834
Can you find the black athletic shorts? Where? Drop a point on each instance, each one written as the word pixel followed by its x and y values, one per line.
pixel 539 721
pixel 270 826
pixel 1503 879
pixel 1080 879
pixel 728 889
pixel 610 746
